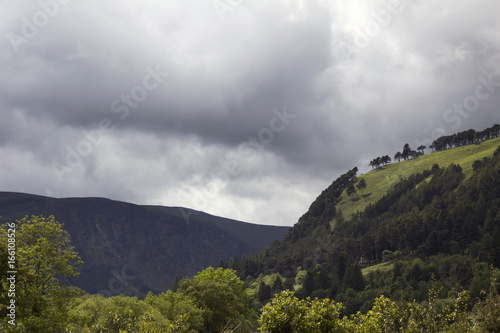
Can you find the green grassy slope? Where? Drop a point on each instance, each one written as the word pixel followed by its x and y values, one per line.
pixel 382 267
pixel 379 181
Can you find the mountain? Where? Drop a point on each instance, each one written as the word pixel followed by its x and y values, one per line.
pixel 341 214
pixel 433 217
pixel 133 249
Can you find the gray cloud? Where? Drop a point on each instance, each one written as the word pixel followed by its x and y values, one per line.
pixel 357 79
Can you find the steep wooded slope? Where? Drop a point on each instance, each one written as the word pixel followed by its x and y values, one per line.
pixel 438 214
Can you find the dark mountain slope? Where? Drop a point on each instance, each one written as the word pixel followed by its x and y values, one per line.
pixel 129 248
pixel 256 236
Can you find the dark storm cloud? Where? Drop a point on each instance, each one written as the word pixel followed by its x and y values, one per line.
pixel 156 98
pixel 211 100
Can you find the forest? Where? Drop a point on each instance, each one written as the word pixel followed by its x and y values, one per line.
pixel 425 257
pixel 215 300
pixel 465 138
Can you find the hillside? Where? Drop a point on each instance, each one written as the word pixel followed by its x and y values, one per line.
pixel 437 215
pixel 419 255
pixel 133 249
pixel 380 181
pixel 256 236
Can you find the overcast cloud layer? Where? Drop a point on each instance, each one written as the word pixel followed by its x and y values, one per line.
pixel 244 109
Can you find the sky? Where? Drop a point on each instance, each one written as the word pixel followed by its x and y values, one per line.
pixel 245 109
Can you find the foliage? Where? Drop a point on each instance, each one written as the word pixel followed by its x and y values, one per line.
pixel 322 210
pixel 116 314
pixel 488 311
pixel 416 259
pixel 350 190
pixel 465 138
pixel 44 258
pixel 212 301
pixel 177 308
pixel 382 180
pixel 169 312
pixel 149 244
pixel 221 295
pixel 382 160
pixel 361 185
pixel 353 278
pixel 441 221
pixel 264 293
pixel 287 313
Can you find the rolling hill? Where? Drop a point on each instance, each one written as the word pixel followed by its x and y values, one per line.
pixel 435 217
pixel 133 249
pixel 380 181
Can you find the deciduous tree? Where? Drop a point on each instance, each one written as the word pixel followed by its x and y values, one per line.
pixel 350 189
pixel 44 258
pixel 361 185
pixel 222 296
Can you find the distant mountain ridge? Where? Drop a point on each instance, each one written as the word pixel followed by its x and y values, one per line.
pixel 132 249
